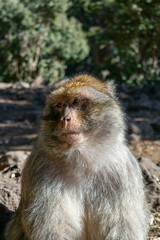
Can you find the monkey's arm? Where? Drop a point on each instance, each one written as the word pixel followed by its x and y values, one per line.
pixel 57 213
pixel 48 210
pixel 133 218
pixel 33 221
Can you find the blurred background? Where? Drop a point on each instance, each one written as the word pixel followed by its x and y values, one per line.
pixel 41 41
pixel 48 39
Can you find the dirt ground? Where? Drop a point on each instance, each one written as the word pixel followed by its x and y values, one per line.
pixel 20 113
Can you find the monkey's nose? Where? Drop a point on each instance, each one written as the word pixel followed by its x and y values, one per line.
pixel 66 120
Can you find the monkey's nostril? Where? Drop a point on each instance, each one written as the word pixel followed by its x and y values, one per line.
pixel 68 119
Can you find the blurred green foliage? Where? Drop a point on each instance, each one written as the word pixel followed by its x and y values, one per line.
pixel 115 39
pixel 38 39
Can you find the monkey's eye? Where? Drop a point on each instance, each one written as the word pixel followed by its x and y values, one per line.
pixel 77 101
pixel 59 105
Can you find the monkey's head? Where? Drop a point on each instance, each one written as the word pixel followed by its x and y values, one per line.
pixel 81 108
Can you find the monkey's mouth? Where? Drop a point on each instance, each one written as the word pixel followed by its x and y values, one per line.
pixel 70 134
pixel 70 137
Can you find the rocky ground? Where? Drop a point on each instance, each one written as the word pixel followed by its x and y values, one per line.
pixel 20 112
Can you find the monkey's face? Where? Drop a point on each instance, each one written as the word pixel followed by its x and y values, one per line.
pixel 65 117
pixel 74 113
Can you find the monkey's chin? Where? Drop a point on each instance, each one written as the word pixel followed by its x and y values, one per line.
pixel 72 137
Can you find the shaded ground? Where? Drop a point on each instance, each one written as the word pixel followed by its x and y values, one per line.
pixel 20 112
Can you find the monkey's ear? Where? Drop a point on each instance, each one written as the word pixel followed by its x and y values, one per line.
pixel 111 87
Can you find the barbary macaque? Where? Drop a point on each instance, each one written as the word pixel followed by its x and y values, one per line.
pixel 81 182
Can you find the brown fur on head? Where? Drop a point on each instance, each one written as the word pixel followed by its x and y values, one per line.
pixel 79 106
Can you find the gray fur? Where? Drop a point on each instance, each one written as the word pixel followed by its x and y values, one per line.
pixel 91 191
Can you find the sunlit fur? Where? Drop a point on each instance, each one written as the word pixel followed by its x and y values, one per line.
pixel 90 189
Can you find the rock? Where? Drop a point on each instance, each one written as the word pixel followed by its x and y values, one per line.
pixel 10 178
pixel 126 88
pixel 133 138
pixel 155 105
pixel 5 85
pixel 144 101
pixel 21 84
pixel 15 157
pixel 134 128
pixel 151 174
pixel 143 129
pixel 22 94
pixel 139 104
pixel 3 162
pixel 10 196
pixel 156 126
pixel 39 81
pixel 147 131
pixel 5 215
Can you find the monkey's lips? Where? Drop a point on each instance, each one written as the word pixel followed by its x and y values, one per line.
pixel 71 137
